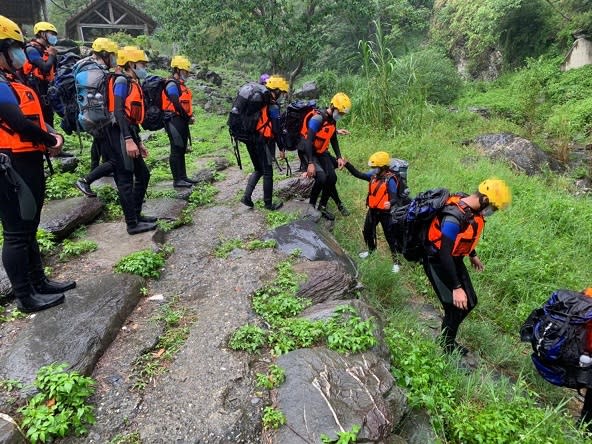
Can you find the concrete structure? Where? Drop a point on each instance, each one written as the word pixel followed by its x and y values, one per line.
pixel 579 55
pixel 103 17
pixel 24 12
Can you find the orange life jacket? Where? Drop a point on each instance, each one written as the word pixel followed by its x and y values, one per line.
pixel 30 106
pixel 378 191
pixel 134 102
pixel 323 135
pixel 30 69
pixel 264 124
pixel 185 98
pixel 468 238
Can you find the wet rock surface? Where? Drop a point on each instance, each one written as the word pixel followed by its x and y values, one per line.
pixel 62 217
pixel 206 393
pixel 522 154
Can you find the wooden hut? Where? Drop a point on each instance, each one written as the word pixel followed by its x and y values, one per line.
pixel 103 17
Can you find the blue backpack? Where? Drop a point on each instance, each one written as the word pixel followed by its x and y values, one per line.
pixel 62 92
pixel 557 332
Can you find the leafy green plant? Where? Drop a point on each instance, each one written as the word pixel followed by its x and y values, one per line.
pixel 11 384
pixel 347 437
pixel 273 418
pixel 72 249
pixel 274 377
pixel 110 197
pixel 293 333
pixel 248 338
pixel 225 248
pixel 347 333
pixel 202 194
pixel 145 263
pixel 275 219
pixel 61 186
pixel 60 406
pixel 46 241
pixel 154 362
pixel 8 316
pixel 258 244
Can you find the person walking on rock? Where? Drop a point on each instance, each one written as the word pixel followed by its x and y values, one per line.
pixel 318 131
pixel 178 115
pixel 262 148
pixel 453 234
pixel 383 194
pixel 24 137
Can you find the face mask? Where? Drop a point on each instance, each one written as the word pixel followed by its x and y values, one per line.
pixel 52 39
pixel 336 115
pixel 182 76
pixel 141 73
pixel 17 57
pixel 488 211
pixel 112 60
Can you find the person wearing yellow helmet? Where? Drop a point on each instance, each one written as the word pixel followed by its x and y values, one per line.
pixel 25 138
pixel 318 131
pixel 104 54
pixel 453 235
pixel 177 105
pixel 386 190
pixel 40 66
pixel 262 148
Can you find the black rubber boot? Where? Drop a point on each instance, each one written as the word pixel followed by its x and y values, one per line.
pixel 246 199
pixel 193 181
pixel 182 184
pixel 33 301
pixel 140 227
pixel 84 187
pixel 274 206
pixel 326 213
pixel 47 286
pixel 344 211
pixel 149 219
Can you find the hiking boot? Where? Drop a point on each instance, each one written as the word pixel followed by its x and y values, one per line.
pixel 83 186
pixel 140 227
pixel 364 254
pixel 344 211
pixel 182 184
pixel 247 201
pixel 192 181
pixel 456 348
pixel 274 206
pixel 34 301
pixel 149 219
pixel 47 286
pixel 326 213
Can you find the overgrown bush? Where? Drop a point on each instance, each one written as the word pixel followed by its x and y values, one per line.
pixel 145 263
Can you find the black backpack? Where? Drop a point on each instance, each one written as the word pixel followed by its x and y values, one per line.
pixel 246 110
pixel 410 222
pixel 291 122
pixel 62 92
pixel 557 333
pixel 152 88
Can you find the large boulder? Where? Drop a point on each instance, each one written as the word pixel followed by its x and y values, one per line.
pixel 76 332
pixel 294 187
pixel 522 154
pixel 62 217
pixel 309 90
pixel 164 208
pixel 326 281
pixel 9 431
pixel 313 241
pixel 325 393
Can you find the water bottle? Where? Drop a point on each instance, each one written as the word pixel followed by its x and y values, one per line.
pixel 585 360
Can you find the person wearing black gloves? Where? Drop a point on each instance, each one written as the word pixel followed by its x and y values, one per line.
pixel 178 115
pixel 24 138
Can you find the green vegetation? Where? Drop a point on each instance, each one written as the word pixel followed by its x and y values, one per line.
pixel 348 437
pixel 274 378
pixel 72 249
pixel 60 407
pixel 348 333
pixel 130 438
pixel 273 418
pixel 8 316
pixel 145 263
pixel 176 322
pixel 46 241
pixel 248 338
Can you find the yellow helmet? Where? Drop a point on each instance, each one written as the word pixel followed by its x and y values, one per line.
pixel 131 54
pixel 379 159
pixel 497 191
pixel 104 44
pixel 277 82
pixel 341 102
pixel 10 30
pixel 181 62
pixel 44 26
